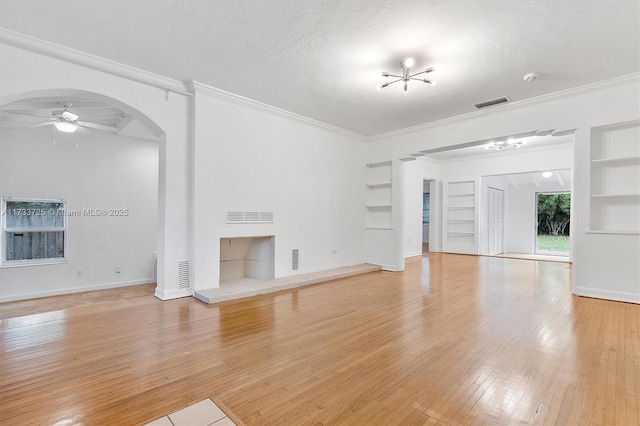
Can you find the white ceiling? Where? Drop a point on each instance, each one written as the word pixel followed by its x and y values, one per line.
pixel 322 58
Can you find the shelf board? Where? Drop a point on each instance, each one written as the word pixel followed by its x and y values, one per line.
pixel 380 164
pixel 379 185
pixel 620 161
pixel 615 195
pixel 459 195
pixel 460 208
pixel 611 231
pixel 460 220
pixel 380 207
pixel 378 228
pixel 462 233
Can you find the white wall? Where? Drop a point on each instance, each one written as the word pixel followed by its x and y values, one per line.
pixel 29 74
pixel 605 265
pixel 312 179
pixel 104 172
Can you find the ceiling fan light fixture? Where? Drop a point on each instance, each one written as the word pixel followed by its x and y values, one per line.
pixel 65 127
pixel 547 175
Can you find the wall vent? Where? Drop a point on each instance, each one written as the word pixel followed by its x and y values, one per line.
pixel 294 259
pixel 492 102
pixel 249 217
pixel 184 274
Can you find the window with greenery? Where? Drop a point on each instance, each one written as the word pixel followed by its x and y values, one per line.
pixel 33 231
pixel 425 209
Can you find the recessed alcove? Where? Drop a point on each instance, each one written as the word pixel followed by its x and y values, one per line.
pixel 247 258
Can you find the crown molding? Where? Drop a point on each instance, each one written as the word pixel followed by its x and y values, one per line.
pixel 87 60
pixel 197 87
pixel 587 88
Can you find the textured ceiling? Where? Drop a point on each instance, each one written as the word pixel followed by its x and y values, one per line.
pixel 322 58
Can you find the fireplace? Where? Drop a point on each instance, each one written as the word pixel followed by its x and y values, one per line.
pixel 244 258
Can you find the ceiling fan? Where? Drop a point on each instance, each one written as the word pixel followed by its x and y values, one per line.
pixel 66 121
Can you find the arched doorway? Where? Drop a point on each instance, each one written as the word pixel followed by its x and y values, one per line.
pixel 91 177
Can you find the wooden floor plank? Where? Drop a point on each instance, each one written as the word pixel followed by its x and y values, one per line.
pixel 452 340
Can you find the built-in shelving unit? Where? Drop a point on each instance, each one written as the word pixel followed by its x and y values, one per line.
pixel 379 195
pixel 460 221
pixel 615 179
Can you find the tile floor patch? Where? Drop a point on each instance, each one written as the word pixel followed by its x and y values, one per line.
pixel 203 413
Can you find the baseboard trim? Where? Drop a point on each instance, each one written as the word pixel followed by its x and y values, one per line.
pixel 172 294
pixel 63 291
pixel 618 296
pixel 413 254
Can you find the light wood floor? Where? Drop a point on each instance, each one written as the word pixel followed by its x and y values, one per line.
pixel 453 340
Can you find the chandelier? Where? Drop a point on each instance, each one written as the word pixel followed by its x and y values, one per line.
pixel 406 75
pixel 511 143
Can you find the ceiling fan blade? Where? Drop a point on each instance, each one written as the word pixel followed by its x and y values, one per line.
pixel 42 124
pixel 84 130
pixel 24 113
pixel 97 126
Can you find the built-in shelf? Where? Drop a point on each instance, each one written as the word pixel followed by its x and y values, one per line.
pixel 461 220
pixel 460 195
pixel 621 161
pixel 380 164
pixel 461 208
pixel 379 195
pixel 612 232
pixel 614 195
pixel 378 229
pixel 379 185
pixel 615 188
pixel 458 232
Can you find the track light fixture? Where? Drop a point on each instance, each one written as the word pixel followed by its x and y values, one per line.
pixel 406 75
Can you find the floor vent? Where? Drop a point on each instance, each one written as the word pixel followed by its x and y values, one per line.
pixel 492 102
pixel 249 217
pixel 184 274
pixel 294 259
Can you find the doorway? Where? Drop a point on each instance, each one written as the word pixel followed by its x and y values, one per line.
pixel 553 216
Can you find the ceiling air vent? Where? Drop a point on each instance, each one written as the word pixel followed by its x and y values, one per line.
pixel 492 102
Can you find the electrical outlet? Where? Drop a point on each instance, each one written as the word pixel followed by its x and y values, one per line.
pixel 118 269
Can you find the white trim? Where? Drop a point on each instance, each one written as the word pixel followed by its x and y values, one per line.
pixel 388 268
pixel 587 88
pixel 619 296
pixel 198 88
pixel 71 290
pixel 413 254
pixel 163 294
pixel 56 51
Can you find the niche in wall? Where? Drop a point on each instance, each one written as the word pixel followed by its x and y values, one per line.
pixel 247 257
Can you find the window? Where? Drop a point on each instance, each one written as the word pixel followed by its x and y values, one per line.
pixel 425 209
pixel 33 231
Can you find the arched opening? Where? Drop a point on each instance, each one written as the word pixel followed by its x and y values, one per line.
pixel 111 182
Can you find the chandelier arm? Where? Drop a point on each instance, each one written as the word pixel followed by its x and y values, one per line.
pixel 394 81
pixel 418 73
pixel 417 79
pixel 393 75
